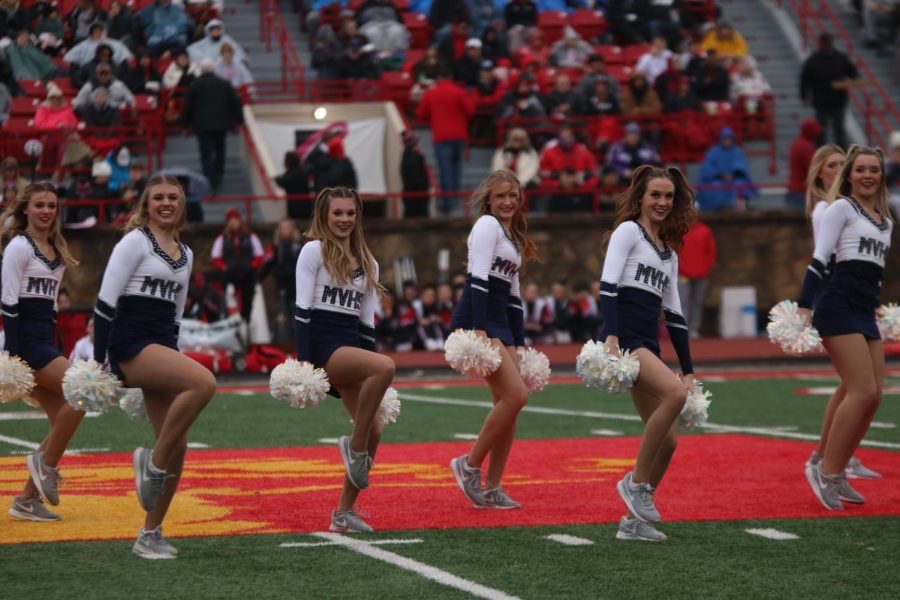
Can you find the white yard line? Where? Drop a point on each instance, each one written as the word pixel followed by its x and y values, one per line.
pixel 466 436
pixel 606 432
pixel 532 409
pixel 330 441
pixel 568 540
pixel 882 425
pixel 14 441
pixel 779 432
pixel 773 534
pixel 426 571
pixel 373 542
pixel 197 445
pixel 31 415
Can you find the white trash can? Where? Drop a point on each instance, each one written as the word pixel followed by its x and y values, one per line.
pixel 737 312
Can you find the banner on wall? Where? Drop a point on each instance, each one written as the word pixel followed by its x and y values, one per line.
pixel 364 144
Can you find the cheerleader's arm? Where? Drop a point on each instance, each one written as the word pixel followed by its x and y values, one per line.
pixel 15 259
pixel 483 243
pixel 832 224
pixel 515 312
pixel 676 323
pixel 367 316
pixel 181 298
pixel 308 264
pixel 123 261
pixel 620 245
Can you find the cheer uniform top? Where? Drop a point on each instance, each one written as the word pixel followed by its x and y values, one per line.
pixel 491 300
pixel 816 219
pixel 141 298
pixel 31 284
pixel 849 298
pixel 638 280
pixel 330 314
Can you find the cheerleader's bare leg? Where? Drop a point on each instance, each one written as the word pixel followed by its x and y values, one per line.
pixel 656 385
pixel 373 373
pixel 350 398
pixel 157 405
pixel 860 364
pixel 500 451
pixel 836 398
pixel 499 426
pixel 647 404
pixel 190 385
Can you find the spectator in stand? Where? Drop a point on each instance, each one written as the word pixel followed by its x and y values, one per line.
pixel 493 44
pixel 537 320
pixel 467 67
pixel 800 157
pixel 522 102
pixel 625 18
pixel 713 83
pixel 453 45
pixel 234 71
pixel 584 317
pixel 203 303
pixel 407 320
pixel 571 51
pixel 610 187
pixel 595 69
pixel 630 152
pixel 211 108
pixel 682 98
pixel 431 324
pixel 447 108
pixel 5 103
pixel 27 61
pixel 81 216
pixel 386 323
pixel 85 51
pixel 443 15
pixel 132 189
pixel 727 43
pixel 81 74
pixel 118 94
pixel 639 99
pixel 166 28
pixel 521 15
pixel 282 263
pixel 826 76
pixel 329 46
pixel 56 113
pixel 666 82
pixel 446 304
pixel 237 254
pixel 559 302
pixel 488 93
pixel 415 175
pixel 331 167
pixel 295 182
pixel 724 173
pixel 13 18
pixel 517 155
pixel 314 10
pixel 10 176
pixel 181 72
pixel 48 28
pixel 84 347
pixel 211 44
pixel 79 21
pixel 880 23
pixel 381 22
pixel 425 72
pixel 101 118
pixel 599 102
pixel 695 263
pixel 655 61
pixel 140 74
pixel 100 174
pixel 358 62
pixel 748 83
pixel 535 49
pixel 119 160
pixel 121 24
pixel 568 166
pixel 560 102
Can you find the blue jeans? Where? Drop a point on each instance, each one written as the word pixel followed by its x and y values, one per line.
pixel 449 159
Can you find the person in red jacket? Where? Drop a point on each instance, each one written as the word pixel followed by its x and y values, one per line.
pixel 799 157
pixel 447 108
pixel 237 254
pixel 695 263
pixel 568 166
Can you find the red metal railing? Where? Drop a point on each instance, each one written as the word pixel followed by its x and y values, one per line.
pixel 272 27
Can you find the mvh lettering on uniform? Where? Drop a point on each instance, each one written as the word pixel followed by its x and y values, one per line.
pixel 652 276
pixel 342 297
pixel 41 285
pixel 163 288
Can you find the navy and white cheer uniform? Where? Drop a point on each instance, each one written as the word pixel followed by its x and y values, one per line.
pixel 330 314
pixel 849 298
pixel 638 281
pixel 818 213
pixel 31 284
pixel 141 298
pixel 491 300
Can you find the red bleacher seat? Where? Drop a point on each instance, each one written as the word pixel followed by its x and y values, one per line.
pixel 419 29
pixel 401 5
pixel 633 52
pixel 612 54
pixel 588 23
pixel 66 86
pixel 24 106
pixel 413 55
pixel 33 87
pixel 552 23
pixel 18 124
pixel 396 86
pixel 620 73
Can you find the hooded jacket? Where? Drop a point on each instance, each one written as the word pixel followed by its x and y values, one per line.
pixel 800 155
pixel 210 48
pixel 719 162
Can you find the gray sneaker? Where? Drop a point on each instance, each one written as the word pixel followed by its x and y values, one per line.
pixel 498 498
pixel 814 459
pixel 148 480
pixel 857 470
pixel 825 487
pixel 469 480
pixel 847 493
pixel 32 510
pixel 348 521
pixel 357 464
pixel 635 529
pixel 638 497
pixel 46 479
pixel 153 546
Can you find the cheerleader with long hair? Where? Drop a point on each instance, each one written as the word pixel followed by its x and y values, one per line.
pixel 137 320
pixel 640 273
pixel 823 170
pixel 491 304
pixel 856 228
pixel 337 292
pixel 35 256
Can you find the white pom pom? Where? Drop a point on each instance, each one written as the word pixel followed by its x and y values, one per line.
pixel 87 387
pixel 889 322
pixel 599 369
pixel 534 366
pixel 787 329
pixel 471 354
pixel 16 378
pixel 389 409
pixel 694 412
pixel 131 401
pixel 298 383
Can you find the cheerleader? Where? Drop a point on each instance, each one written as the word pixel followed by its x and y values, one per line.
pixel 855 228
pixel 334 318
pixel 640 273
pixel 136 323
pixel 826 164
pixel 491 305
pixel 35 256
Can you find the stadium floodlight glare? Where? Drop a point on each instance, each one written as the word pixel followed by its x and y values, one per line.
pixel 320 113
